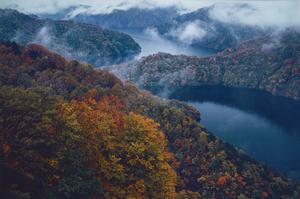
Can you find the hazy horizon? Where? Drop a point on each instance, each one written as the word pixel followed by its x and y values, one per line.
pixel 262 13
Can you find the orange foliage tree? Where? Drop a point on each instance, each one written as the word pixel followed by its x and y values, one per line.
pixel 129 149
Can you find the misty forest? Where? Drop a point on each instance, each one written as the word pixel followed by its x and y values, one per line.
pixel 150 99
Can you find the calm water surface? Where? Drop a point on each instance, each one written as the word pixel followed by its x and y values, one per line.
pixel 151 43
pixel 265 127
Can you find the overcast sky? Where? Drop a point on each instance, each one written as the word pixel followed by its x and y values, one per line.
pixel 40 6
pixel 282 13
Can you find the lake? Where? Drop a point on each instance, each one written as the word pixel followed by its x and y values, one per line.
pixel 151 43
pixel 264 126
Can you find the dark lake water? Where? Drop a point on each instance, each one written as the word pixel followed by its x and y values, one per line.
pixel 265 127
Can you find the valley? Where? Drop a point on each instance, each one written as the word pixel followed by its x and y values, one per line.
pixel 152 43
pixel 84 42
pixel 263 126
pixel 263 64
pixel 144 99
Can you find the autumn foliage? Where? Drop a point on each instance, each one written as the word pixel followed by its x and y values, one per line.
pixel 119 155
pixel 130 149
pixel 69 131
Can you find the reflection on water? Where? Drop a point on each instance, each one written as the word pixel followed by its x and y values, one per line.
pixel 151 43
pixel 265 127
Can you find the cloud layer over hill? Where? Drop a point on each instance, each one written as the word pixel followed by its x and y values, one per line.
pixel 263 13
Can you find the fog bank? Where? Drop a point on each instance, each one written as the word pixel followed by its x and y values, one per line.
pixel 263 13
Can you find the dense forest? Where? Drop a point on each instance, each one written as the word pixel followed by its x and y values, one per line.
pixel 198 28
pixel 72 40
pixel 269 63
pixel 70 131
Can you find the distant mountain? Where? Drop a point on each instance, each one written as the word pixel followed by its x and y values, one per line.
pixel 131 19
pixel 79 41
pixel 270 63
pixel 201 29
pixel 63 14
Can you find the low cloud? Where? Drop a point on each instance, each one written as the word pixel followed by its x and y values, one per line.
pixel 152 33
pixel 273 43
pixel 96 6
pixel 43 37
pixel 259 13
pixel 188 32
pixel 262 13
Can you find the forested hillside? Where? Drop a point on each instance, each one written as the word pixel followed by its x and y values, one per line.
pixel 270 63
pixel 73 40
pixel 202 29
pixel 69 131
pixel 198 28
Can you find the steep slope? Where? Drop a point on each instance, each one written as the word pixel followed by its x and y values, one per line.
pixel 201 29
pixel 73 40
pixel 64 14
pixel 270 63
pixel 131 19
pixel 70 131
pixel 134 19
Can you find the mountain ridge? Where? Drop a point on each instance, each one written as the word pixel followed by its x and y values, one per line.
pixel 196 28
pixel 83 42
pixel 269 63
